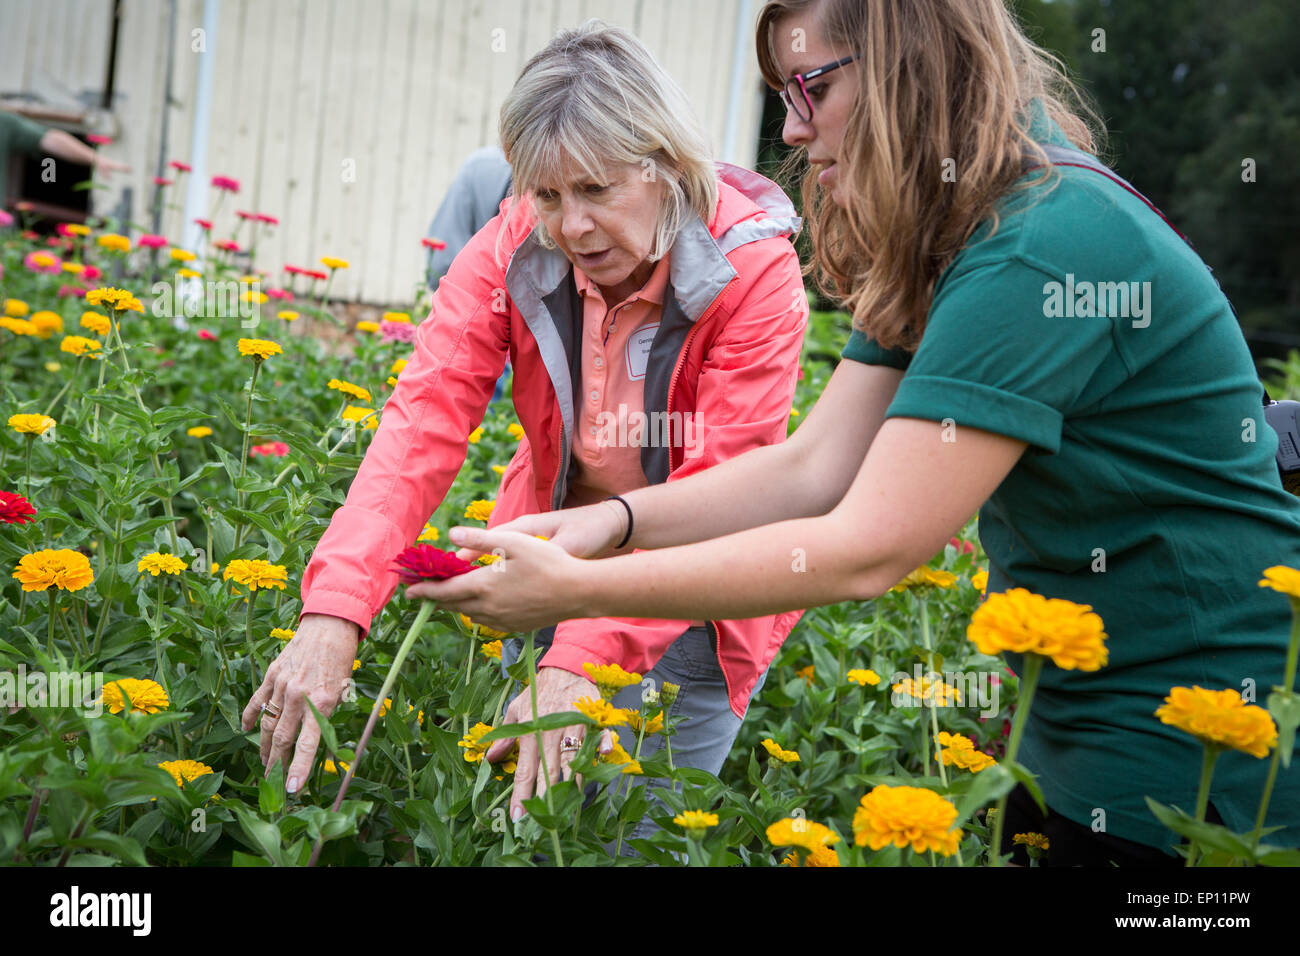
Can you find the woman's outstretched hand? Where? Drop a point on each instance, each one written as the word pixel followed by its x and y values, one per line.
pixel 589 532
pixel 316 665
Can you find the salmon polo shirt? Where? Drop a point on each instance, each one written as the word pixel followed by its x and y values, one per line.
pixel 615 348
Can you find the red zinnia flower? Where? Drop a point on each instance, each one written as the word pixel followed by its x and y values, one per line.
pixel 204 224
pixel 275 449
pixel 207 336
pixel 99 140
pixel 67 290
pixel 245 214
pixel 316 274
pixel 269 220
pixel 294 270
pixel 433 243
pixel 228 244
pixel 424 562
pixel 15 509
pixel 91 273
pixel 279 293
pixel 963 547
pixel 150 241
pixel 162 181
pixel 181 167
pixel 226 183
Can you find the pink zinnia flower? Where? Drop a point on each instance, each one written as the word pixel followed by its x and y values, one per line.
pixel 226 183
pixel 54 242
pixel 275 449
pixel 204 225
pixel 162 181
pixel 424 562
pixel 397 331
pixel 91 273
pixel 98 140
pixel 963 547
pixel 66 290
pixel 279 293
pixel 207 336
pixel 433 243
pixel 15 509
pixel 36 261
pixel 269 220
pixel 316 274
pixel 177 165
pixel 245 214
pixel 229 245
pixel 6 219
pixel 152 241
pixel 295 270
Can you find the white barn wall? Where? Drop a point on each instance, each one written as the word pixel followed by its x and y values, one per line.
pixel 401 91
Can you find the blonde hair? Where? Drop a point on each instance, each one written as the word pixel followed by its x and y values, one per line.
pixel 594 96
pixel 941 84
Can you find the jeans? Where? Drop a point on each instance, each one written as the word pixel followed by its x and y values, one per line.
pixel 701 741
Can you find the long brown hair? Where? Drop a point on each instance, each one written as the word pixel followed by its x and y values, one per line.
pixel 942 85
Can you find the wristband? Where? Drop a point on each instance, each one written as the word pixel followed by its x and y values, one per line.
pixel 627 537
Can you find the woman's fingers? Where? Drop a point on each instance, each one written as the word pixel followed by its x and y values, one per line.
pixel 570 741
pixel 287 726
pixel 525 775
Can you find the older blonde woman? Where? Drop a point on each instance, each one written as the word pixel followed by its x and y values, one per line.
pixel 628 276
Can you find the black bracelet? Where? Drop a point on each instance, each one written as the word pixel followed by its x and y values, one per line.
pixel 627 537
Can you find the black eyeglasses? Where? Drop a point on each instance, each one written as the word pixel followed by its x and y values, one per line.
pixel 795 94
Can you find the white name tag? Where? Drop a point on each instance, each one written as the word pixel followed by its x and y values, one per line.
pixel 638 351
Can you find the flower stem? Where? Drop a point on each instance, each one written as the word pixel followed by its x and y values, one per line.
pixel 934 713
pixel 243 454
pixel 1210 755
pixel 49 638
pixel 421 618
pixel 1033 665
pixel 1288 688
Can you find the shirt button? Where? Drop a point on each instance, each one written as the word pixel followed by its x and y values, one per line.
pixel 595 395
pixel 593 429
pixel 598 362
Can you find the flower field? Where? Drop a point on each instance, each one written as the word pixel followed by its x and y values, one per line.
pixel 162 485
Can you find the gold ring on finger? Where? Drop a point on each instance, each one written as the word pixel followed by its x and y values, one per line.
pixel 271 709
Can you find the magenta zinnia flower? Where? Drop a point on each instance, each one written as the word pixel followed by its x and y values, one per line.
pixel 397 331
pixel 424 562
pixel 178 165
pixel 226 183
pixel 15 509
pixel 207 336
pixel 151 241
pixel 46 262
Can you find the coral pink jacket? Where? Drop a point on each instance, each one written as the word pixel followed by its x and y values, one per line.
pixel 720 380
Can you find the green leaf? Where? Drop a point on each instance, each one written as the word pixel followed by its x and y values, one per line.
pixel 1028 779
pixel 1210 836
pixel 1284 705
pixel 555 721
pixel 262 834
pixel 327 735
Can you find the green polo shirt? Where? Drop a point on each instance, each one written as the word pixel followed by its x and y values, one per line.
pixel 1148 448
pixel 17 135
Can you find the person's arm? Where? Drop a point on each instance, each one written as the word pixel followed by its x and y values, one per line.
pixel 63 145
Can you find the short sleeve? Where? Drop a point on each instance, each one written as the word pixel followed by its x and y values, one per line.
pixel 868 351
pixel 24 135
pixel 995 356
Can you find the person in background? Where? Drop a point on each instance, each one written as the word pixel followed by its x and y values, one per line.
pixel 21 135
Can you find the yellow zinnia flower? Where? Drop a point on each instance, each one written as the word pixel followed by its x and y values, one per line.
pixel 610 678
pixel 499 469
pixel 61 568
pixel 785 756
pixel 287 314
pixel 182 255
pixel 189 274
pixel 430 533
pixel 807 673
pixel 617 754
pixel 77 345
pixel 652 726
pixel 935 691
pixel 906 816
pixel 158 563
pixel 1026 623
pixel 396 317
pixel 1220 718
pixel 817 856
pixel 695 822
pixel 182 770
pixel 926 577
pixel 31 424
pixel 516 430
pixel 1284 579
pixel 863 677
pixel 52 366
pixel 259 349
pixel 482 631
pixel 1035 840
pixel 119 300
pixel 251 297
pixel 633 768
pixel 476 435
pixel 147 696
pixel 399 366
pixel 474 748
pixel 330 262
pixel 95 322
pixel 256 574
pixel 980 579
pixel 358 413
pixel 492 650
pixel 367 326
pixel 284 634
pixel 329 767
pixel 601 711
pixel 480 510
pixel 959 750
pixel 17 326
pixel 199 431
pixel 347 388
pixel 794 831
pixel 46 322
pixel 114 242
pixel 16 308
